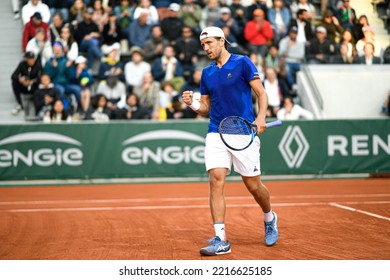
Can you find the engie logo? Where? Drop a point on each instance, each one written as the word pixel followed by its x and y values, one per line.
pixel 172 153
pixel 14 153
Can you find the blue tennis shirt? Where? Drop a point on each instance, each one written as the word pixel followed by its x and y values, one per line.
pixel 229 89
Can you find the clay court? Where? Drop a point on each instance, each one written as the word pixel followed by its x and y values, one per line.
pixel 318 219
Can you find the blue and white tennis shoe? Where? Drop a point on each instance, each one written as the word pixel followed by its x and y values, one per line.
pixel 271 231
pixel 216 247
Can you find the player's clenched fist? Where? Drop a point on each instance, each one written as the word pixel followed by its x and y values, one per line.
pixel 187 97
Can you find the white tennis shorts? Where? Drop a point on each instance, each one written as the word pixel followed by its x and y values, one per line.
pixel 245 162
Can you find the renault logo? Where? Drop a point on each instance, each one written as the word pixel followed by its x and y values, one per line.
pixel 295 158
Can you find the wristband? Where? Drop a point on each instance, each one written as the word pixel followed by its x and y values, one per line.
pixel 195 105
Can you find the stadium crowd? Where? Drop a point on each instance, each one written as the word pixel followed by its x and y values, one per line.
pixel 122 59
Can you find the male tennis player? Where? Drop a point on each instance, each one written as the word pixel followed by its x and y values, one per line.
pixel 226 90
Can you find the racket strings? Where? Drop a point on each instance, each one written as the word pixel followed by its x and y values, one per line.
pixel 236 133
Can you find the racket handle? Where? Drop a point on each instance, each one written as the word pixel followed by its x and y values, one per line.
pixel 274 123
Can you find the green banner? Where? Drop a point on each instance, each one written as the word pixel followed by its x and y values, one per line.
pixel 148 149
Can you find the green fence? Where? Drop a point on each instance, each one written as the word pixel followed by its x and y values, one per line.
pixel 139 149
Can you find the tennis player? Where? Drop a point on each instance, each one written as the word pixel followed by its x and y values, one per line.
pixel 226 90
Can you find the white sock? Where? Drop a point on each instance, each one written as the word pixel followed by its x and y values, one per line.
pixel 219 228
pixel 268 217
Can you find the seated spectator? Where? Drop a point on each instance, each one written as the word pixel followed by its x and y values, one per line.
pixel 276 90
pixel 343 56
pixel 35 6
pixel 169 69
pixel 369 56
pixel 99 111
pixel 257 4
pixel 30 28
pixel 332 26
pixel 114 90
pixel 40 47
pixel 279 17
pixel 210 13
pixel 88 38
pixel 25 79
pixel 172 25
pixel 154 47
pixel 136 68
pixel 149 95
pixel 55 27
pixel 99 15
pixel 346 15
pixel 348 40
pixel 145 6
pixel 320 49
pixel 76 12
pixel 303 24
pixel 71 48
pixel 368 38
pixel 44 96
pixel 294 54
pixel 166 93
pixel 292 111
pixel 227 20
pixel 140 31
pixel 357 29
pixel 111 64
pixel 191 14
pixel 58 113
pixel 258 32
pixel 179 110
pixel 303 5
pixel 112 32
pixel 132 110
pixel 239 13
pixel 187 49
pixel 276 61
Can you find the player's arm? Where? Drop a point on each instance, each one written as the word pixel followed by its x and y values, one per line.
pixel 201 106
pixel 262 103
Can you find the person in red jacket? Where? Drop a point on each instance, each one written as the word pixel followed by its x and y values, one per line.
pixel 258 32
pixel 31 26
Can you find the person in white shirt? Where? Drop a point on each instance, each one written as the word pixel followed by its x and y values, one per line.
pixel 35 6
pixel 136 68
pixel 292 111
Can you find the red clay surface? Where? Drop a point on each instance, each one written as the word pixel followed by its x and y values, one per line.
pixel 318 219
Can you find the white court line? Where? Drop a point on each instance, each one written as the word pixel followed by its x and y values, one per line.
pixel 357 210
pixel 137 200
pixel 168 207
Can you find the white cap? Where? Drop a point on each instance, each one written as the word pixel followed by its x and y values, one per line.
pixel 225 10
pixel 174 7
pixel 80 59
pixel 212 31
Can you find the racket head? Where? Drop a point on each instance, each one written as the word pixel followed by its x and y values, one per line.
pixel 237 133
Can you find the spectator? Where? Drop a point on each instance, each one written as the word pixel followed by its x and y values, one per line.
pixel 44 96
pixel 145 6
pixel 99 109
pixel 55 27
pixel 40 47
pixel 71 48
pixel 302 22
pixel 279 17
pixel 294 54
pixel 136 68
pixel 30 28
pixel 124 14
pixel 275 61
pixel 76 12
pixel 320 48
pixel 343 56
pixel 303 5
pixel 292 111
pixel 258 32
pixel 88 37
pixel 369 55
pixel 210 13
pixel 239 13
pixel 111 64
pixel 348 40
pixel 58 113
pixel 140 31
pixel 347 15
pixel 179 110
pixel 154 47
pixel 149 96
pixel 191 15
pixel 35 6
pixel 332 26
pixel 172 25
pixel 132 110
pixel 169 69
pixel 25 79
pixel 276 90
pixel 60 7
pixel 187 49
pixel 357 29
pixel 114 90
pixel 112 32
pixel 258 4
pixel 100 15
pixel 259 62
pixel 227 20
pixel 167 92
pixel 368 38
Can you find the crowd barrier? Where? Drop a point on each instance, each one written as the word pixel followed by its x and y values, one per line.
pixel 175 149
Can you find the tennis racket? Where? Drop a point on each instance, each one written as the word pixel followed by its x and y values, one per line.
pixel 238 134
